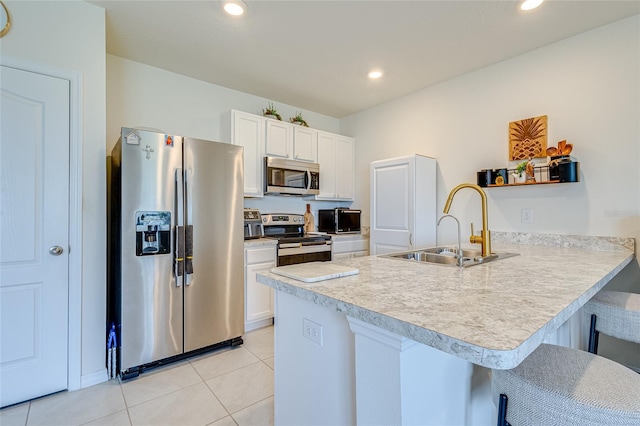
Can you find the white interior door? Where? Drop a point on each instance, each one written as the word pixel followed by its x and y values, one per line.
pixel 391 206
pixel 34 242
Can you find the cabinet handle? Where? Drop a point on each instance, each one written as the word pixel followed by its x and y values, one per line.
pixel 410 239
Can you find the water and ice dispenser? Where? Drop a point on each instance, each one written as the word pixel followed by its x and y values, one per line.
pixel 153 233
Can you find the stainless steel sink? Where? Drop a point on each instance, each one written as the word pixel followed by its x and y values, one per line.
pixel 448 256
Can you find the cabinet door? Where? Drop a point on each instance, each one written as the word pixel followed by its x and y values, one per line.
pixel 392 205
pixel 305 144
pixel 259 297
pixel 279 138
pixel 327 161
pixel 248 132
pixel 344 168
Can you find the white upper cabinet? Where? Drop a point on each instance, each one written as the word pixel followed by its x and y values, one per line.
pixel 278 139
pixel 305 144
pixel 345 168
pixel 336 159
pixel 247 130
pixel 265 137
pixel 291 141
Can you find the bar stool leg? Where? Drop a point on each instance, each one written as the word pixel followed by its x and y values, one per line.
pixel 502 411
pixel 593 336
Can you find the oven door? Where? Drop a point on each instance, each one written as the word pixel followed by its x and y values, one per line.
pixel 292 255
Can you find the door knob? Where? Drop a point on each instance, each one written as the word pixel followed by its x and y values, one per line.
pixel 55 250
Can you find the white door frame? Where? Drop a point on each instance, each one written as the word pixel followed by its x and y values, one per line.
pixel 74 371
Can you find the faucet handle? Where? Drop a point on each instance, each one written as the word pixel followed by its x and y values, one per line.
pixel 475 239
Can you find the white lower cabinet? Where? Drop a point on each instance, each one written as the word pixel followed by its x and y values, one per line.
pixel 350 249
pixel 258 305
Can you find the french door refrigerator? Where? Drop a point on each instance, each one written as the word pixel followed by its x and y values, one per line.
pixel 176 282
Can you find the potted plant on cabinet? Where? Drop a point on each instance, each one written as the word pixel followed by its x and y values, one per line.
pixel 297 119
pixel 271 112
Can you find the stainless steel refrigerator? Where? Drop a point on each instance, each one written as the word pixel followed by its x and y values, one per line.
pixel 175 221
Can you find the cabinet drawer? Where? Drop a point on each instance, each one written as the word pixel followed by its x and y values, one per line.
pixel 260 255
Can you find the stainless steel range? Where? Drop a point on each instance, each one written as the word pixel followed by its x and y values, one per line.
pixel 294 245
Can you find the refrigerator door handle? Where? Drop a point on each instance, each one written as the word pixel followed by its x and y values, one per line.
pixel 188 237
pixel 178 258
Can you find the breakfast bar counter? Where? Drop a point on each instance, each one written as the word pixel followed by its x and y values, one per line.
pixel 436 318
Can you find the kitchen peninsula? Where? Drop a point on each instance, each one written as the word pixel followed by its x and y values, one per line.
pixel 410 343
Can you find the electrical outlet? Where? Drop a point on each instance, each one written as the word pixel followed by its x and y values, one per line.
pixel 527 216
pixel 312 331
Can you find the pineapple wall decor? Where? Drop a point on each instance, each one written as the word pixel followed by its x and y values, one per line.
pixel 528 138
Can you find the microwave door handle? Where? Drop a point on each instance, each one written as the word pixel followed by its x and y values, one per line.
pixel 307 177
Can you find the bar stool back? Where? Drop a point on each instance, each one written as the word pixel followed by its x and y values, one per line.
pixel 556 385
pixel 614 313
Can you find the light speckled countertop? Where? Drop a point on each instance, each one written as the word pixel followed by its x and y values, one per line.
pixel 494 314
pixel 348 237
pixel 260 242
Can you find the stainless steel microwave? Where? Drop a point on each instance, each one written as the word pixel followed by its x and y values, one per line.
pixel 291 177
pixel 339 221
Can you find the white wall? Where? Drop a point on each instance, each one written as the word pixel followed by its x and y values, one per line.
pixel 588 85
pixel 141 95
pixel 47 33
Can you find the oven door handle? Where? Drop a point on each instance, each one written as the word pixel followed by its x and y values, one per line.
pixel 290 245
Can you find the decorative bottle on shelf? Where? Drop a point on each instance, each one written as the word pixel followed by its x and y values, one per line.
pixel 308 220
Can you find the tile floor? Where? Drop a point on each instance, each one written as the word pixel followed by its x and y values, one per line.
pixel 224 388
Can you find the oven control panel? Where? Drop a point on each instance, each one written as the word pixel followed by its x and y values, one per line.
pixel 282 219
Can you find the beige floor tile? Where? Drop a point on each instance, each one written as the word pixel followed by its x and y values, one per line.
pixel 225 421
pixel 259 414
pixel 269 362
pixel 14 416
pixel 243 387
pixel 220 363
pixel 260 343
pixel 193 405
pixel 258 331
pixel 121 418
pixel 77 407
pixel 155 384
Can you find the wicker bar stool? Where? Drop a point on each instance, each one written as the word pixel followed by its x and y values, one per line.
pixel 614 313
pixel 556 385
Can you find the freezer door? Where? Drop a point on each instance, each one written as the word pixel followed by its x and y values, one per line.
pixel 151 298
pixel 214 280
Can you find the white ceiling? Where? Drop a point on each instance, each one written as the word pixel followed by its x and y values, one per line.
pixel 315 54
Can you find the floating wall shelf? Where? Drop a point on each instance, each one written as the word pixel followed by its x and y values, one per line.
pixel 561 172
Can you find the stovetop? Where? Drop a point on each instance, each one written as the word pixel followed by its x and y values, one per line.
pixel 289 228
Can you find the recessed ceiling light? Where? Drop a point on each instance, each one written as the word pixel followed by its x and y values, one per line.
pixel 375 74
pixel 530 4
pixel 235 7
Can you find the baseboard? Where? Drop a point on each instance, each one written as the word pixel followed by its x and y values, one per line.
pixel 254 325
pixel 100 376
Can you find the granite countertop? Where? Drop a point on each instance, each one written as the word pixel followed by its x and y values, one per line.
pixel 348 237
pixel 260 242
pixel 494 314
